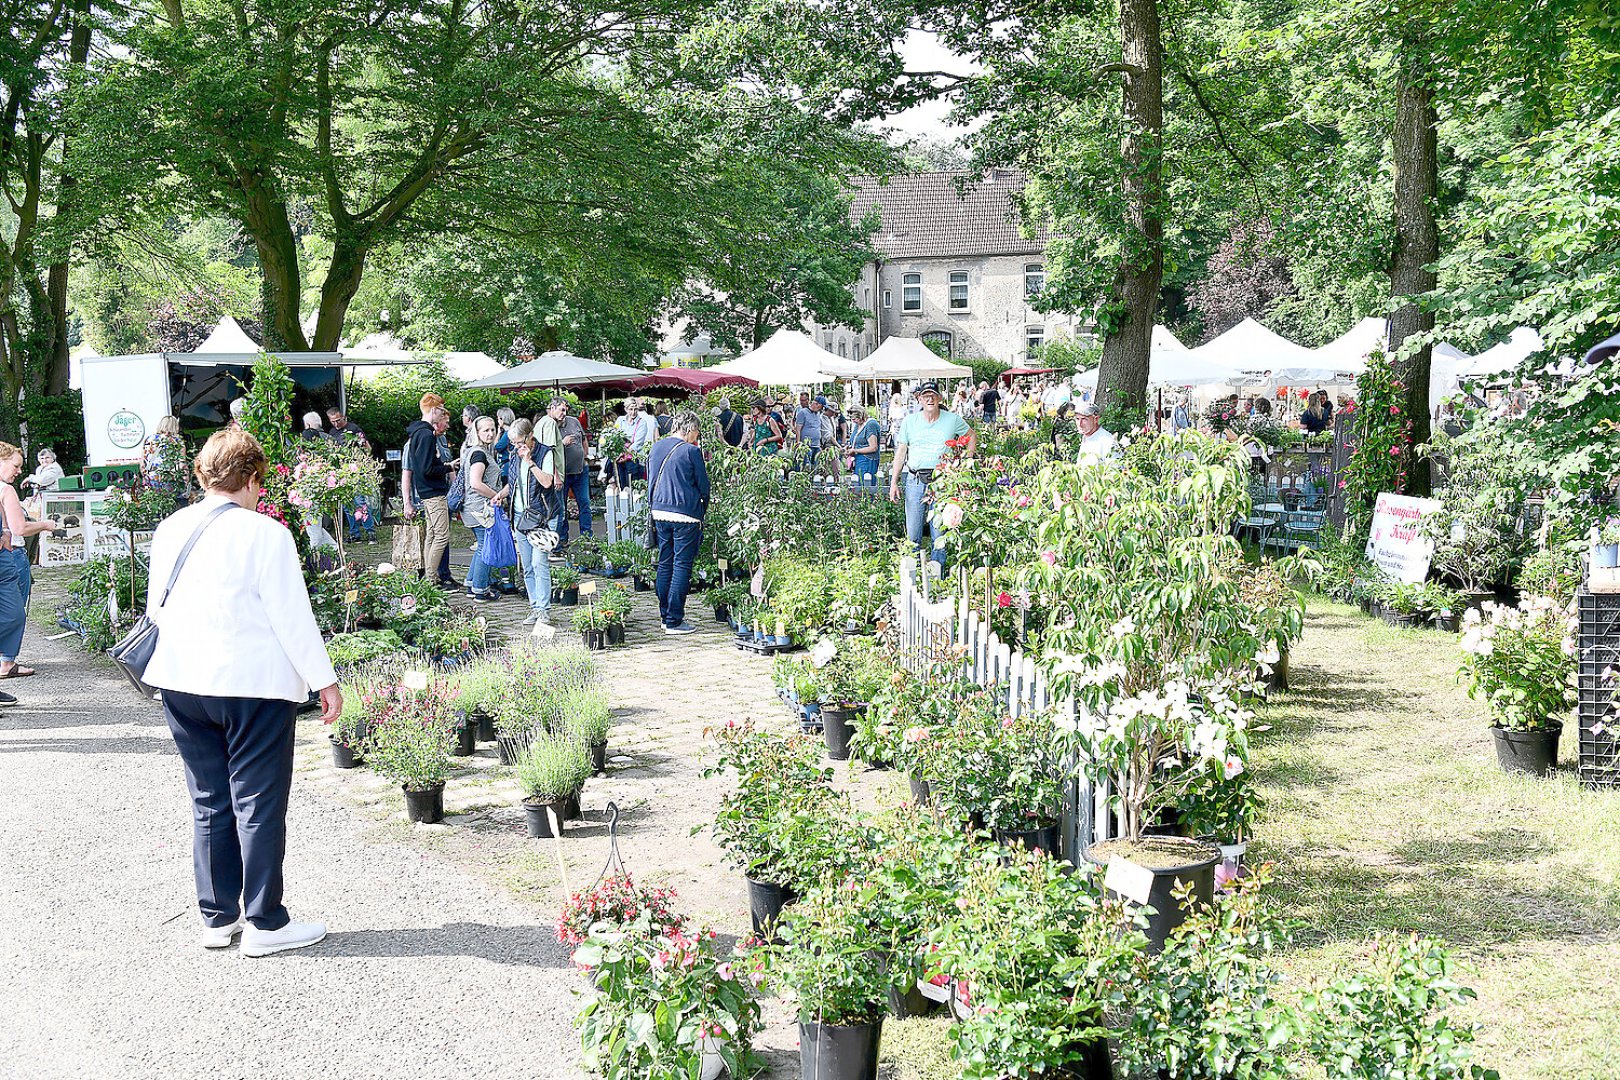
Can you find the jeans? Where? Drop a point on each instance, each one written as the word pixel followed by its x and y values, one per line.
pixel 353 525
pixel 16 581
pixel 917 518
pixel 536 574
pixel 477 572
pixel 677 550
pixel 627 471
pixel 238 754
pixel 866 467
pixel 436 545
pixel 580 484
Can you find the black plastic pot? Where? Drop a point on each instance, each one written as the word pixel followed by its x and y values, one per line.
pixel 765 903
pixel 836 729
pixel 486 726
pixel 425 806
pixel 642 584
pixel 836 1052
pixel 599 757
pixel 722 614
pixel 345 756
pixel 1533 753
pixel 1446 622
pixel 510 748
pixel 595 640
pixel 911 1003
pixel 1096 1063
pixel 921 795
pixel 568 597
pixel 1196 868
pixel 538 816
pixel 1044 838
pixel 466 737
pixel 571 808
pixel 1400 620
pixel 615 633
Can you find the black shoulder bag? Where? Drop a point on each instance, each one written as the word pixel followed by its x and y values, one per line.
pixel 134 650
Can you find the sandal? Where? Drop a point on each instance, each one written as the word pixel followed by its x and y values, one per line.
pixel 17 672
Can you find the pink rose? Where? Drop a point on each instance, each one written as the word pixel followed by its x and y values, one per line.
pixel 1049 558
pixel 951 515
pixel 1004 600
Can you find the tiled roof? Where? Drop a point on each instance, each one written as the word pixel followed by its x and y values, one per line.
pixel 924 215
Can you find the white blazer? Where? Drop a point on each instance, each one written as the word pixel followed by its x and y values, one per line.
pixel 238 623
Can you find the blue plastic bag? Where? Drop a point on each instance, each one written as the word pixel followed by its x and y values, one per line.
pixel 496 549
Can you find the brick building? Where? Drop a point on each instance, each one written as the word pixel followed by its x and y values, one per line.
pixel 952 267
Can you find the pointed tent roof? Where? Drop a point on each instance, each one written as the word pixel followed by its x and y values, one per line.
pixel 379 348
pixel 555 368
pixel 1505 356
pixel 1348 352
pixel 1170 363
pixel 909 358
pixel 789 358
pixel 1248 346
pixel 228 337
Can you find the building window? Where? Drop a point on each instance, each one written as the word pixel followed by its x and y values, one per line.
pixel 857 354
pixel 1034 279
pixel 843 349
pixel 911 292
pixel 942 338
pixel 866 296
pixel 888 298
pixel 1034 338
pixel 959 290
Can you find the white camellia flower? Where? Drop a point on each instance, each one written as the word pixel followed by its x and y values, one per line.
pixel 1125 626
pixel 384 569
pixel 823 653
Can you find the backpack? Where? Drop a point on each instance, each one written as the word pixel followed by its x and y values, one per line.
pixel 457 499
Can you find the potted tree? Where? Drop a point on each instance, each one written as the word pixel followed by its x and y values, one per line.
pixel 1521 661
pixel 551 771
pixel 831 960
pixel 411 737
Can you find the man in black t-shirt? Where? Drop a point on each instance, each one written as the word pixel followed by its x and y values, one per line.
pixel 424 481
pixel 989 401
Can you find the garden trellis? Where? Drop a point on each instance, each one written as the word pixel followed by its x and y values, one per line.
pixel 936 632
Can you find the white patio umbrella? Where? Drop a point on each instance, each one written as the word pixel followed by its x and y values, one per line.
pixel 790 358
pixel 557 368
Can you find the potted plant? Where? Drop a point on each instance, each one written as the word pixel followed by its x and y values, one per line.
pixel 830 959
pixel 1025 794
pixel 551 771
pixel 586 716
pixel 1037 962
pixel 564 585
pixel 480 684
pixel 643 566
pixel 1442 605
pixel 412 732
pixel 1606 544
pixel 615 605
pixel 1223 811
pixel 1402 605
pixel 620 556
pixel 348 733
pixel 619 902
pixel 726 599
pixel 349 651
pixel 1521 660
pixel 585 554
pixel 851 673
pixel 592 623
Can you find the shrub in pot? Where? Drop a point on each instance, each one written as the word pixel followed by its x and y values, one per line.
pixel 585 554
pixel 478 686
pixel 1206 1006
pixel 1521 660
pixel 1038 961
pixel 585 715
pixel 551 771
pixel 831 958
pixel 348 731
pixel 1402 604
pixel 664 1003
pixel 852 673
pixel 592 623
pixel 1441 605
pixel 564 584
pixel 412 732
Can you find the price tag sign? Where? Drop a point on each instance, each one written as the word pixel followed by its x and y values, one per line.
pixel 587 588
pixel 414 680
pixel 1131 880
pixel 723 564
pixel 351 596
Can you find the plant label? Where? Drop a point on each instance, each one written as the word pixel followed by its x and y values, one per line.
pixel 756 584
pixel 1131 880
pixel 587 588
pixel 414 680
pixel 723 565
pixel 351 596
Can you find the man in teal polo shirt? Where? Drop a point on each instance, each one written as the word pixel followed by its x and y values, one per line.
pixel 919 445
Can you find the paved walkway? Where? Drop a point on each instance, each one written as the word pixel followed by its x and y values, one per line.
pixel 441 961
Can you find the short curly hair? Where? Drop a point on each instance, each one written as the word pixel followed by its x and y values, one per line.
pixel 229 459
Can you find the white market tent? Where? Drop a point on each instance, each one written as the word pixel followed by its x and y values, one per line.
pixel 1170 363
pixel 228 337
pixel 908 358
pixel 1248 346
pixel 555 368
pixel 790 358
pixel 1341 359
pixel 1446 362
pixel 1504 357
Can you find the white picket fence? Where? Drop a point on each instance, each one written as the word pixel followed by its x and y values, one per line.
pixel 940 633
pixel 622 507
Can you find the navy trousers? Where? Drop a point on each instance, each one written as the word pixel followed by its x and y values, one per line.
pixel 677 550
pixel 238 754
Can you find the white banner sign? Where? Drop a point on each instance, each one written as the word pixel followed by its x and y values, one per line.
pixel 1395 544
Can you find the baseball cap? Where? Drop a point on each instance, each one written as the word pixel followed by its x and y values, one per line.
pixel 928 388
pixel 1089 408
pixel 821 399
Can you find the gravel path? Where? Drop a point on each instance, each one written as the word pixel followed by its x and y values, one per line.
pixel 429 971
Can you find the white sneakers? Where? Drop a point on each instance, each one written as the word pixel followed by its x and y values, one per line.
pixel 256 942
pixel 220 937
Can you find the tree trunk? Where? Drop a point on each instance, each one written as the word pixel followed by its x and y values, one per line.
pixel 54 379
pixel 280 283
pixel 1134 296
pixel 1417 244
pixel 337 292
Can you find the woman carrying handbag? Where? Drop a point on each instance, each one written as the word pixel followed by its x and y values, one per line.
pixel 534 489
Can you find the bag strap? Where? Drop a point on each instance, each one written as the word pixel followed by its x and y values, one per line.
pixel 662 465
pixel 174 575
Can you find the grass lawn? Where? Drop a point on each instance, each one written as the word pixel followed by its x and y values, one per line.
pixel 1387 812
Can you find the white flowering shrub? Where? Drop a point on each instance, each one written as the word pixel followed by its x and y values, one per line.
pixel 1521 660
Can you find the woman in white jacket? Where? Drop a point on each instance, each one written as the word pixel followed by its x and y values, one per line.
pixel 238 650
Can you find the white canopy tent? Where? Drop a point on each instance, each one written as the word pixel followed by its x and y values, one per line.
pixel 1248 346
pixel 1340 360
pixel 555 368
pixel 790 358
pixel 1505 356
pixel 1170 363
pixel 1446 362
pixel 909 358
